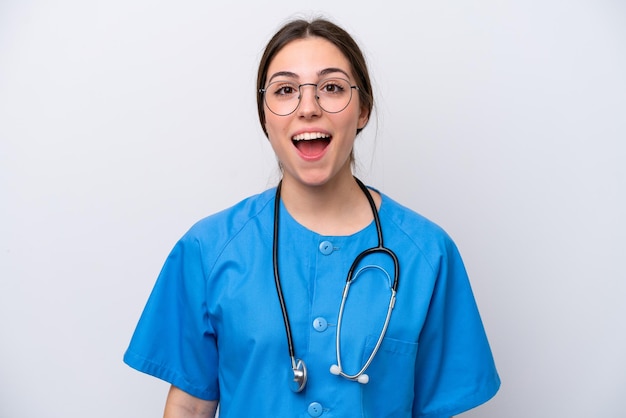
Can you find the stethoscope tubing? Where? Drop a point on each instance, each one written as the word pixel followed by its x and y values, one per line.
pixel 380 248
pixel 298 366
pixel 381 336
pixel 279 289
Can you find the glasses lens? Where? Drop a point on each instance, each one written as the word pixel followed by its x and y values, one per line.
pixel 334 94
pixel 283 97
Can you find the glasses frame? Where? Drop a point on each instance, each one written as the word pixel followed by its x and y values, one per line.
pixel 317 98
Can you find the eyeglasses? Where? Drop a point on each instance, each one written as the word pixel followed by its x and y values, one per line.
pixel 283 97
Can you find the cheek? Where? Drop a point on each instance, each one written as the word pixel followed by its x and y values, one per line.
pixel 356 116
pixel 273 126
pixel 274 135
pixel 350 121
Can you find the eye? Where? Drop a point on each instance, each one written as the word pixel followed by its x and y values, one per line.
pixel 282 89
pixel 285 90
pixel 333 87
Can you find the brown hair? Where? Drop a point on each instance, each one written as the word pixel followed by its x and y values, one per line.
pixel 300 29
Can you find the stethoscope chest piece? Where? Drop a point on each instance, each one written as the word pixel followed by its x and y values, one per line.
pixel 299 376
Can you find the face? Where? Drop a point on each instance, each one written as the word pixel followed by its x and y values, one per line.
pixel 312 145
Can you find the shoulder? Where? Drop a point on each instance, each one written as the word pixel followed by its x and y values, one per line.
pixel 410 221
pixel 415 229
pixel 218 229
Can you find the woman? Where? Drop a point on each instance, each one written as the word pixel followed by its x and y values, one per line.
pixel 251 302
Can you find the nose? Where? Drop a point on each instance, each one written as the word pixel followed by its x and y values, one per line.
pixel 309 106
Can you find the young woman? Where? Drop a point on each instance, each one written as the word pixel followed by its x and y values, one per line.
pixel 252 309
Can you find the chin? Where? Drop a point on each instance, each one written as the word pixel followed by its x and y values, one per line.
pixel 319 179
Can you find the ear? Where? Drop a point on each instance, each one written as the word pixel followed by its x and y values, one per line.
pixel 363 118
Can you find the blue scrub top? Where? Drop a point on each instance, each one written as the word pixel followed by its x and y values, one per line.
pixel 213 325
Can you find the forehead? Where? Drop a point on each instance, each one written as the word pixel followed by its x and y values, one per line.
pixel 309 57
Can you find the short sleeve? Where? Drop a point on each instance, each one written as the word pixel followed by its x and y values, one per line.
pixel 174 340
pixel 455 370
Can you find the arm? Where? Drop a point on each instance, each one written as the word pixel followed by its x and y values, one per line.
pixel 180 404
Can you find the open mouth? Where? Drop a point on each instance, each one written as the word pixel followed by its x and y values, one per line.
pixel 311 144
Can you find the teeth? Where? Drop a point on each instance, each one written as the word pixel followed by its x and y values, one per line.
pixel 307 136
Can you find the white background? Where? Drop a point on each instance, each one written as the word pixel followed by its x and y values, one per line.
pixel 123 122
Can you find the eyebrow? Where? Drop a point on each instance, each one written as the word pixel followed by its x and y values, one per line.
pixel 323 72
pixel 333 70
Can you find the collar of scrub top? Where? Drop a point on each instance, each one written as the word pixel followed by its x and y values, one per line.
pixel 297 365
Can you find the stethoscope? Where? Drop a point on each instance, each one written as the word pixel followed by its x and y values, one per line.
pixel 297 365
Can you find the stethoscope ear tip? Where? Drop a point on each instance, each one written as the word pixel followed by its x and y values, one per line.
pixel 362 378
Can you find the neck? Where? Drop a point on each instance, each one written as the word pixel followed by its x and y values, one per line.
pixel 337 208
